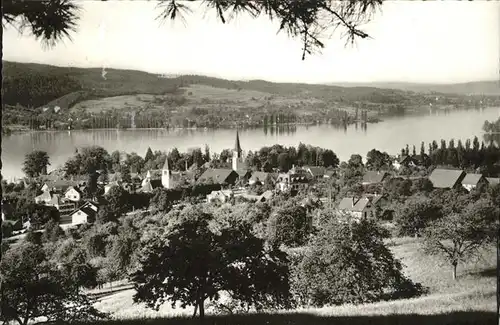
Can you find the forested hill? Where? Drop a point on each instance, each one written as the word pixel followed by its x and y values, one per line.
pixel 35 85
pixel 489 87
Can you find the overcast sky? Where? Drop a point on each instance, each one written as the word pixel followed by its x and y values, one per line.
pixel 413 41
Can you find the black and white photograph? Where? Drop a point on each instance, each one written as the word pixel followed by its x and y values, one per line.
pixel 240 162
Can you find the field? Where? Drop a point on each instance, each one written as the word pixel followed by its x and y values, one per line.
pixel 194 96
pixel 469 300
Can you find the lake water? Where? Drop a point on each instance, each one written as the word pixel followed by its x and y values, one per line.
pixel 390 135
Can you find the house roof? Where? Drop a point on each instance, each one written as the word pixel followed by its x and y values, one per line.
pixel 493 180
pixel 56 199
pixel 266 195
pixel 261 176
pixel 374 198
pixel 154 173
pixel 91 213
pixel 472 179
pixel 76 188
pixel 372 177
pixel 46 195
pixel 353 204
pixel 316 170
pixel 91 205
pixel 329 173
pixel 218 175
pixel 61 184
pixel 446 178
pixel 151 185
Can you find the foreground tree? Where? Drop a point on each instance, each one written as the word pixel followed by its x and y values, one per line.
pixel 196 258
pixel 35 163
pixel 459 237
pixel 348 263
pixel 33 288
pixel 309 20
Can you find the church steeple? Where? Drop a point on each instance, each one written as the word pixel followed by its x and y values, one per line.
pixel 237 154
pixel 165 165
pixel 237 146
pixel 165 175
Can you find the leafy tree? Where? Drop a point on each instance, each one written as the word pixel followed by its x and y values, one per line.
pixel 79 270
pixel 149 155
pixel 33 287
pixel 196 259
pixel 348 263
pixel 415 215
pixel 161 201
pixel 206 155
pixel 33 237
pixel 356 161
pixel 284 162
pixel 123 245
pixel 289 225
pixel 52 232
pixel 40 214
pixel 105 214
pixel 125 174
pixel 35 163
pixel 117 200
pixel 421 185
pixel 377 160
pixel 457 237
pixel 103 177
pixel 310 21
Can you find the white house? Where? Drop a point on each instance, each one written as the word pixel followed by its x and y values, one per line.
pixel 358 208
pixel 222 195
pixel 85 214
pixel 73 194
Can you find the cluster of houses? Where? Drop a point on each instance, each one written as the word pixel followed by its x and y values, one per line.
pixel 67 195
pixel 367 205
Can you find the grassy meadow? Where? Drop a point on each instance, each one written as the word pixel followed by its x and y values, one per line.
pixel 469 300
pixel 195 96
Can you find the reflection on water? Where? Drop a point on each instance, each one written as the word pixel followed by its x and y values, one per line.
pixel 390 135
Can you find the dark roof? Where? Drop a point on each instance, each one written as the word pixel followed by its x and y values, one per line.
pixel 472 179
pixel 446 178
pixel 372 177
pixel 151 185
pixel 91 213
pixel 217 175
pixel 353 204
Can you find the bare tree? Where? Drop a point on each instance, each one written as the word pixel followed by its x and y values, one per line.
pixel 308 20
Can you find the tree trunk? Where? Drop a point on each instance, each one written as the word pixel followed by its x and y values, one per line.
pixel 195 310
pixel 202 310
pixel 454 264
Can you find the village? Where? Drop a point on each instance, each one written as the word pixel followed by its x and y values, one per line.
pixel 241 183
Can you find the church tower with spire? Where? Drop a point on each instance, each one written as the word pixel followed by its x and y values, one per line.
pixel 165 175
pixel 237 154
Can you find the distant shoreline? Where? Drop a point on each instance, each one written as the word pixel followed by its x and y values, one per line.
pixel 18 131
